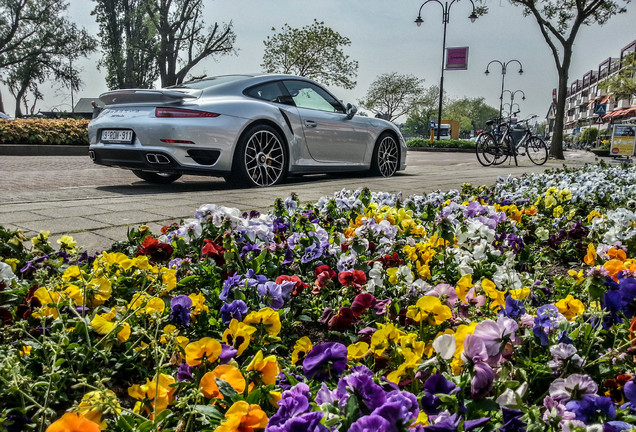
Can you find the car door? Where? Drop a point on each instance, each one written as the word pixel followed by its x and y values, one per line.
pixel 330 136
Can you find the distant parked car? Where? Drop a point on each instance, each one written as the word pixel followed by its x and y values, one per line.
pixel 250 129
pixel 4 116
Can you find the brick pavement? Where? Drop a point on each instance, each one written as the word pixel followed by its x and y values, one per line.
pixel 97 205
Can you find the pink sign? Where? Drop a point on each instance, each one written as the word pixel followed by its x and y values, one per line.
pixel 457 58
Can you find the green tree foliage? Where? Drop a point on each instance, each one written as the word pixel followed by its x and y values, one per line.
pixel 623 84
pixel 38 43
pixel 144 40
pixel 472 113
pixel 393 95
pixel 424 111
pixel 128 43
pixel 314 51
pixel 559 22
pixel 589 135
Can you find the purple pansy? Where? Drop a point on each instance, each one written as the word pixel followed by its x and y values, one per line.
pixel 180 309
pixel 325 361
pixel 234 310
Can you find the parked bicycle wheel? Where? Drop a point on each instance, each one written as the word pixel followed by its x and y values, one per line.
pixel 484 148
pixel 501 151
pixel 537 150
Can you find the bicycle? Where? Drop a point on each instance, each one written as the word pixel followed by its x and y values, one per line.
pixel 494 148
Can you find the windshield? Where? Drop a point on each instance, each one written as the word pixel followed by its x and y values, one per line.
pixel 209 82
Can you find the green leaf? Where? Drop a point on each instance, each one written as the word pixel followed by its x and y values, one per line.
pixel 210 411
pixel 225 388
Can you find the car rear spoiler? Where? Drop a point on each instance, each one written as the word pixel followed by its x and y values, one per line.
pixel 143 96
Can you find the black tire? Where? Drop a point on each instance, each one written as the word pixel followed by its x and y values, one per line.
pixel 260 159
pixel 386 156
pixel 484 147
pixel 500 151
pixel 157 177
pixel 537 150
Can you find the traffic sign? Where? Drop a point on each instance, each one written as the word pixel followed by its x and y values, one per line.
pixel 432 125
pixel 599 120
pixel 600 109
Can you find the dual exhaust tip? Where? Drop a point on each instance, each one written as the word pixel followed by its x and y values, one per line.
pixel 157 158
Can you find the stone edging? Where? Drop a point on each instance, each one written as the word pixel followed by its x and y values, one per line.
pixel 42 150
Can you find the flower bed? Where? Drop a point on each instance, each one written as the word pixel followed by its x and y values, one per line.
pixel 492 308
pixel 44 131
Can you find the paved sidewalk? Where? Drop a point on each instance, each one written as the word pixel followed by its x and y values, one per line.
pixel 97 205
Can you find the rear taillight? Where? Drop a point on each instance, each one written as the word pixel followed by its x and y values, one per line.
pixel 182 113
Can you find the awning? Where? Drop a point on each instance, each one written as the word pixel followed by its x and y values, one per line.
pixel 629 111
pixel 605 99
pixel 614 113
pixel 593 101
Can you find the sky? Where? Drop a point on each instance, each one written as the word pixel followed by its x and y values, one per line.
pixel 385 39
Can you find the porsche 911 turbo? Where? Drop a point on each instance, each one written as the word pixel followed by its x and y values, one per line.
pixel 253 130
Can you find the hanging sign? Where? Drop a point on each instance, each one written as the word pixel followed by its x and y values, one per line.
pixel 457 58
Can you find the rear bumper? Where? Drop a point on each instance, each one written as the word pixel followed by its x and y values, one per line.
pixel 156 161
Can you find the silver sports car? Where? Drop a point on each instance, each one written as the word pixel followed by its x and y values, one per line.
pixel 251 129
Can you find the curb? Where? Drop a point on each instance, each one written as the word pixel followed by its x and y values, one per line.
pixel 42 150
pixel 441 150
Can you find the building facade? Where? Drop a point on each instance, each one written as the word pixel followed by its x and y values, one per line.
pixel 589 106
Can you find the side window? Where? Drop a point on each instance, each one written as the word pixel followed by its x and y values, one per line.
pixel 307 95
pixel 271 92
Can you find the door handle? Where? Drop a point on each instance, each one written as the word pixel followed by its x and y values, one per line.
pixel 310 123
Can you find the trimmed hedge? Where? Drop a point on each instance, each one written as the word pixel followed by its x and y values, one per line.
pixel 422 142
pixel 44 131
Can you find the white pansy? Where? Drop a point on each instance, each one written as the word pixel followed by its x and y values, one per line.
pixel 6 273
pixel 445 345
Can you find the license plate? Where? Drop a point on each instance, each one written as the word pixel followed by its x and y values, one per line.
pixel 117 136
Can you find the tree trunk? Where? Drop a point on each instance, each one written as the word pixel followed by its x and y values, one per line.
pixel 1 104
pixel 556 146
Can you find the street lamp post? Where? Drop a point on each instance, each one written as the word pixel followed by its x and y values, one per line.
pixel 446 7
pixel 512 97
pixel 504 67
pixel 511 107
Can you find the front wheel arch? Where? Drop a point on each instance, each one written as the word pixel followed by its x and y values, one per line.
pixel 238 174
pixel 376 167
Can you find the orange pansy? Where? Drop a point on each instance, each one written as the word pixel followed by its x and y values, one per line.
pixel 73 422
pixel 228 373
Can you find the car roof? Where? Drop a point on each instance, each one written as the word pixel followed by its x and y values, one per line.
pixel 232 83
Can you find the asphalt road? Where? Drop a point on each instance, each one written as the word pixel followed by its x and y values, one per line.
pixel 97 205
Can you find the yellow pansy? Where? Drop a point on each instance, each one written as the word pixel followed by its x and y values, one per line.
pixel 198 305
pixel 267 366
pixel 565 195
pixel 49 301
pixel 238 335
pixel 301 349
pixel 384 337
pixel 357 351
pixel 143 303
pixel 103 324
pixel 169 278
pixel 99 290
pixel 158 390
pixel 74 293
pixel 593 215
pixel 578 276
pixel 550 201
pixel 25 350
pixel 96 403
pixel 464 284
pixel 66 242
pixel 429 309
pixel 590 256
pixel 141 262
pixel 73 272
pixel 41 238
pixel 498 297
pixel 557 212
pixel 266 318
pixel 520 294
pixel 570 307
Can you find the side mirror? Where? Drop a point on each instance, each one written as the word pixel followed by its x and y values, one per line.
pixel 351 110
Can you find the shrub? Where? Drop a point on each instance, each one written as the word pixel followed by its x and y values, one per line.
pixel 423 142
pixel 44 131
